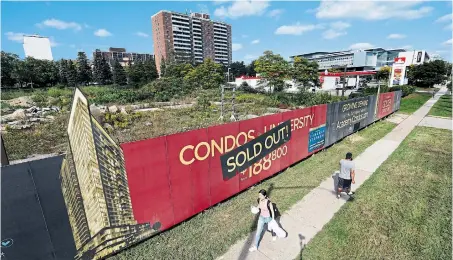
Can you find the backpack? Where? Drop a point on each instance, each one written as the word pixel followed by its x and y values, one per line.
pixel 276 211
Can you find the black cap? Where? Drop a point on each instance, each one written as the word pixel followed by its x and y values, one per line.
pixel 349 155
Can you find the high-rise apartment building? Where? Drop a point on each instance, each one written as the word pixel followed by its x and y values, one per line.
pixel 95 188
pixel 193 36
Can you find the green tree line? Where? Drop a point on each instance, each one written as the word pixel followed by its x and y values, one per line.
pixel 35 73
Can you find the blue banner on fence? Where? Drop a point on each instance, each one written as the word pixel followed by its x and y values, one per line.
pixel 316 138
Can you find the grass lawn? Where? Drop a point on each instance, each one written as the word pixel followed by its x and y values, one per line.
pixel 210 234
pixel 427 89
pixel 402 212
pixel 442 107
pixel 412 102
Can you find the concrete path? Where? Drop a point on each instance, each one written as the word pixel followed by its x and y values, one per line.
pixel 305 219
pixel 437 122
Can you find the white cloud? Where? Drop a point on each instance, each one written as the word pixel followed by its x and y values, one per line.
pixel 361 46
pixel 236 46
pixel 332 34
pixel 60 25
pixel 142 34
pixel 203 8
pixel 249 57
pixel 53 43
pixel 245 36
pixel 336 29
pixel 276 13
pixel 241 8
pixel 102 33
pixel 295 29
pixel 406 47
pixel 15 37
pixel 449 42
pixel 445 18
pixel 255 41
pixel 219 2
pixel 340 25
pixel 86 25
pixel 372 10
pixel 396 36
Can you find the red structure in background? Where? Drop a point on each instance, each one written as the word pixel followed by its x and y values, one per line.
pixel 174 177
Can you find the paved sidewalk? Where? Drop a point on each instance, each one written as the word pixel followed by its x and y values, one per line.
pixel 305 219
pixel 436 122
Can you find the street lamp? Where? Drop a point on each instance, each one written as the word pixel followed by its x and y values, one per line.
pixel 228 74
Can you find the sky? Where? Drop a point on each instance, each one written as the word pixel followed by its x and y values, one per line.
pixel 286 28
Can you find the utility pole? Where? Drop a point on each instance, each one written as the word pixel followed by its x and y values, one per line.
pixel 344 80
pixel 233 112
pixel 221 102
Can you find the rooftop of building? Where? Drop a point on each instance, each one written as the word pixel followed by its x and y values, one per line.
pixel 346 52
pixel 191 14
pixel 122 50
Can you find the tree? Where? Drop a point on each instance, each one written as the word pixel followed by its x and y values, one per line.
pixel 71 74
pixel 273 68
pixel 149 70
pixel 83 69
pixel 179 70
pixel 119 75
pixel 384 73
pixel 136 73
pixel 29 72
pixel 250 69
pixel 334 70
pixel 208 75
pixel 106 72
pixel 9 65
pixel 428 74
pixel 97 67
pixel 304 73
pixel 238 69
pixel 63 71
pixel 163 67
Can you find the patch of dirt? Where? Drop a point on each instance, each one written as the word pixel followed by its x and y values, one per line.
pixel 354 138
pixel 25 101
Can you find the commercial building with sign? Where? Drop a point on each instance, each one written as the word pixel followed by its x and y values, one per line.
pixel 122 56
pixel 355 60
pixel 402 62
pixel 193 36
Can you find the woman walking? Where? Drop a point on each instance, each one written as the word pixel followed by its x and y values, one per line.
pixel 267 214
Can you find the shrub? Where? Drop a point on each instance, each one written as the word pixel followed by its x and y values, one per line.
pixel 40 99
pixel 406 89
pixel 120 120
pixel 59 92
pixel 246 88
pixel 203 102
pixel 449 86
pixel 165 89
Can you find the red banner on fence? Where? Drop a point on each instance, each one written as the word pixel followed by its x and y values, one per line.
pixel 172 178
pixel 385 106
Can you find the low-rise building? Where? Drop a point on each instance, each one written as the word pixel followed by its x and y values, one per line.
pixel 354 60
pixel 123 57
